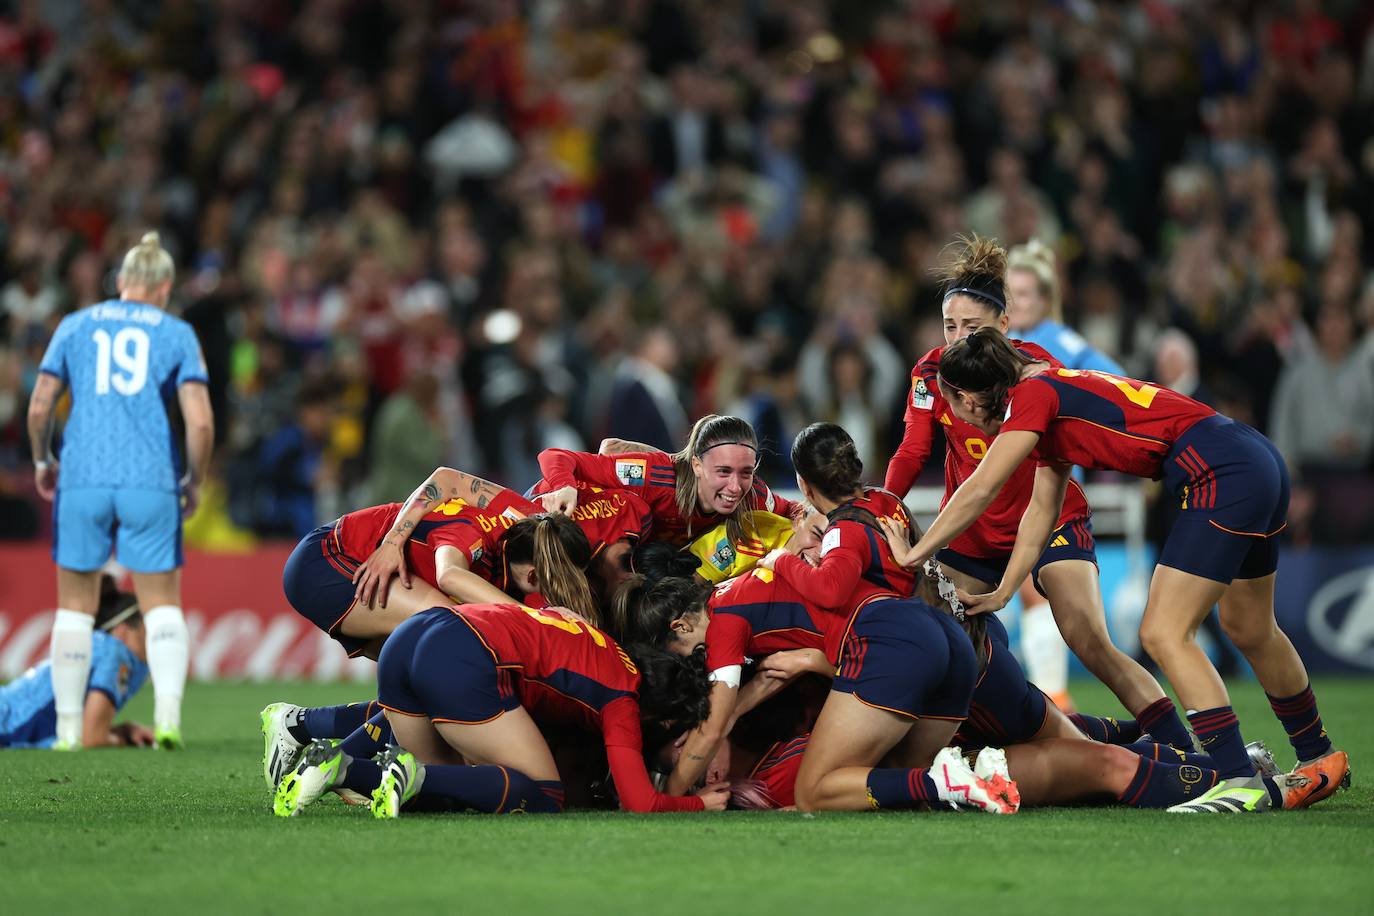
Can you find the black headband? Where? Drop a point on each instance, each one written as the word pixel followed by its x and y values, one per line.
pixel 976 293
pixel 753 448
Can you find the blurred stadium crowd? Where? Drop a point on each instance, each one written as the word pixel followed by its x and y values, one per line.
pixel 456 232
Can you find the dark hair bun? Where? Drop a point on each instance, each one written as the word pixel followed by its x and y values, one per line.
pixel 826 458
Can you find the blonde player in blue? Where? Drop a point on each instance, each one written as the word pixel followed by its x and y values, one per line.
pixel 119 486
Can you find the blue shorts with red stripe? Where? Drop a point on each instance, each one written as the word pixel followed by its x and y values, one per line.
pixel 1234 486
pixel 904 656
pixel 1072 540
pixel 436 666
pixel 318 582
pixel 1006 708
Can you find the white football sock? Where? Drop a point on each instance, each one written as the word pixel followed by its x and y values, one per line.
pixel 1047 658
pixel 169 655
pixel 70 652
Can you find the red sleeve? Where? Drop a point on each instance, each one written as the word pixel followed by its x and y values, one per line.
pixel 831 584
pixel 625 754
pixel 1033 404
pixel 563 468
pixel 923 408
pixel 727 637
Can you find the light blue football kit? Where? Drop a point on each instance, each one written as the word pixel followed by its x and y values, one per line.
pixel 118 485
pixel 28 713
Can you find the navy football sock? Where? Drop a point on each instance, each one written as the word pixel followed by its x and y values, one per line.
pixel 1160 720
pixel 892 788
pixel 1166 753
pixel 369 739
pixel 362 777
pixel 334 721
pixel 1160 785
pixel 1218 731
pixel 493 789
pixel 1303 723
pixel 1106 729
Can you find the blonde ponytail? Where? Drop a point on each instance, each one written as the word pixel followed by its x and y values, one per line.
pixel 561 581
pixel 147 264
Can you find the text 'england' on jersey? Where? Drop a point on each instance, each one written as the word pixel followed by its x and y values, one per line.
pixel 122 362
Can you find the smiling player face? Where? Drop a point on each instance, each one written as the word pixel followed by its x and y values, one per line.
pixel 725 474
pixel 965 314
pixel 807 535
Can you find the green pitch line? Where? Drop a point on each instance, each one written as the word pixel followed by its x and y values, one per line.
pixel 191 832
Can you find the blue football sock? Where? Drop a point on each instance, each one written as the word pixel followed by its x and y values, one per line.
pixel 492 789
pixel 1106 729
pixel 369 739
pixel 1218 731
pixel 1303 724
pixel 1160 721
pixel 1167 753
pixel 335 721
pixel 890 788
pixel 1160 785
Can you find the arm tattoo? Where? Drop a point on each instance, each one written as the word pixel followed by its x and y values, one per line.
pixel 695 757
pixel 431 492
pixel 407 525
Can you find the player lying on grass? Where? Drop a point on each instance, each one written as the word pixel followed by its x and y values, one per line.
pixel 711 480
pixel 28 713
pixel 1223 547
pixel 466 691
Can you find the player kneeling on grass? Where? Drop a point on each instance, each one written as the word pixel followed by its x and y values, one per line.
pixel 466 690
pixel 28 712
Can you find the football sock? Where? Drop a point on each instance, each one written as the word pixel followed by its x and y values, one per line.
pixel 1046 656
pixel 333 721
pixel 70 651
pixel 1160 785
pixel 1166 753
pixel 891 788
pixel 1106 729
pixel 1303 723
pixel 493 789
pixel 1218 731
pixel 1160 720
pixel 362 776
pixel 369 738
pixel 169 655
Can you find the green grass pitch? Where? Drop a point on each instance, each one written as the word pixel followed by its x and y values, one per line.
pixel 143 831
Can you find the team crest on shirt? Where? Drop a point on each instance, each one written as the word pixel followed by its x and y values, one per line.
pixel 921 398
pixel 631 471
pixel 830 541
pixel 123 679
pixel 724 555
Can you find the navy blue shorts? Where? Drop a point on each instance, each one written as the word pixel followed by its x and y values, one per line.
pixel 318 582
pixel 1072 540
pixel 435 665
pixel 904 656
pixel 1234 487
pixel 1006 708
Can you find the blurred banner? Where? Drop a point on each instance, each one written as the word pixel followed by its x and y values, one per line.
pixel 242 627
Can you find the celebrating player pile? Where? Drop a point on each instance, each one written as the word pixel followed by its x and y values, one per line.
pixel 827 656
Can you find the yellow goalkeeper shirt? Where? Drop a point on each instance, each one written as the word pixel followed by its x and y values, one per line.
pixel 721 560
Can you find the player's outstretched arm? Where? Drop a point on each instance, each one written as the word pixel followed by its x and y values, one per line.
pixel 459 582
pixel 969 502
pixel 98 728
pixel 42 406
pixel 704 741
pixel 199 417
pixel 372 580
pixel 613 446
pixel 1037 524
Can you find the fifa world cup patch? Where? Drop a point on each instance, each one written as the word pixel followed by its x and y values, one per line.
pixel 921 398
pixel 724 556
pixel 830 541
pixel 631 471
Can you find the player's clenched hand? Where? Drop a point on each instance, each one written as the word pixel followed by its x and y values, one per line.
pixel 982 604
pixel 788 663
pixel 372 580
pixel 45 479
pixel 563 500
pixel 131 734
pixel 190 498
pixel 715 796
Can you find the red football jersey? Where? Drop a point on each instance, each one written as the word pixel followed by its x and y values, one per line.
pixel 570 673
pixel 607 516
pixel 994 533
pixel 758 614
pixel 648 475
pixel 1102 421
pixel 777 770
pixel 455 523
pixel 856 562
